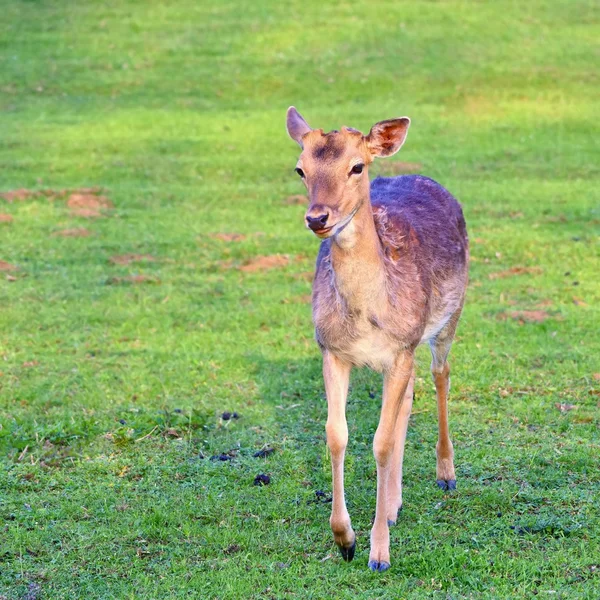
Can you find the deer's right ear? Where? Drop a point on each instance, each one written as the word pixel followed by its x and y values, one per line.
pixel 297 127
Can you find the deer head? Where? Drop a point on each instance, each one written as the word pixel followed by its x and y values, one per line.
pixel 334 167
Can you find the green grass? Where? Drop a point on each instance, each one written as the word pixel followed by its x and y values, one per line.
pixel 111 392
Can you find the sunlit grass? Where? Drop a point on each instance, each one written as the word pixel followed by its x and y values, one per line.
pixel 111 392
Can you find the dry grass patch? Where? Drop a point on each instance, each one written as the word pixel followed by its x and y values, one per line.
pixel 4 266
pixel 526 316
pixel 86 202
pixel 302 299
pixel 514 271
pixel 127 259
pixel 227 237
pixel 74 232
pixel 17 195
pixel 265 263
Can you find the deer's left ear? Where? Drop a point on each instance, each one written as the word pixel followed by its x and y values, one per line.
pixel 387 137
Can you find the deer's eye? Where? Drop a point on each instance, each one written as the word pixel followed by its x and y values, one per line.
pixel 357 169
pixel 300 172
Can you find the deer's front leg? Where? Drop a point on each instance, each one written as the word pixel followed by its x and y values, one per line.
pixel 395 382
pixel 336 374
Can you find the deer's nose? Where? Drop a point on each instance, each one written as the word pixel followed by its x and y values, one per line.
pixel 318 222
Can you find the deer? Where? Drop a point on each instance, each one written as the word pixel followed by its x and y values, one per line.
pixel 391 274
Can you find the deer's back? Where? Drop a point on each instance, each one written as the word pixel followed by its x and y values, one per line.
pixel 420 217
pixel 424 238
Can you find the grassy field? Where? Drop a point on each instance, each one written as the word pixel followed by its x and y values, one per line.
pixel 155 273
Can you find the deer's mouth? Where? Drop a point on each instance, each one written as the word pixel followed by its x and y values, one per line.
pixel 323 233
pixel 336 227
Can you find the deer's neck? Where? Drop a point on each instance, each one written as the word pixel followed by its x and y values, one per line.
pixel 357 262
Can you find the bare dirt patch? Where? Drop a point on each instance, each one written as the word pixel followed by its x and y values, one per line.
pixel 228 237
pixel 133 280
pixel 399 167
pixel 302 299
pixel 265 263
pixel 513 271
pixel 127 259
pixel 5 218
pixel 296 199
pixel 17 195
pixel 4 266
pixel 85 202
pixel 74 232
pixel 88 205
pixel 23 194
pixel 526 316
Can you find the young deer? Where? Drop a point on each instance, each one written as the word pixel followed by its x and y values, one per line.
pixel 391 274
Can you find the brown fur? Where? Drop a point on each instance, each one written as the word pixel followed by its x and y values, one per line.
pixel 424 261
pixel 391 274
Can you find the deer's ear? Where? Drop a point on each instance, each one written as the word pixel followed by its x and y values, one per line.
pixel 387 137
pixel 297 127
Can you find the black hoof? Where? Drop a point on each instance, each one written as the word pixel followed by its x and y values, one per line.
pixel 390 522
pixel 348 553
pixel 375 565
pixel 446 484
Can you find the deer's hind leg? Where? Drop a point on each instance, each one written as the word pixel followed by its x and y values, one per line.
pixel 440 370
pixel 395 482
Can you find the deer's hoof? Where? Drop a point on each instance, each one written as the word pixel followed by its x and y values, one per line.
pixel 446 484
pixel 348 553
pixel 375 565
pixel 393 521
